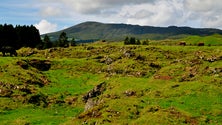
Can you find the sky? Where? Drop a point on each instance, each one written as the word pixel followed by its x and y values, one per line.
pixel 54 15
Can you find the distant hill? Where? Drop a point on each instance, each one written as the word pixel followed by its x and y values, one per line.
pixel 98 31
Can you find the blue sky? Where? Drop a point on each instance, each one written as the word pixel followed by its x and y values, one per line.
pixel 15 12
pixel 54 15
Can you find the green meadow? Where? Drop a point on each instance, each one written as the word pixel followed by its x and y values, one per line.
pixel 114 84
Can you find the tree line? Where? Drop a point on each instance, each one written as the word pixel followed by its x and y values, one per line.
pixel 62 41
pixel 19 36
pixel 134 41
pixel 29 36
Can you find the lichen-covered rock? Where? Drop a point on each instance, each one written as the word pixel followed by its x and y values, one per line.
pixel 96 91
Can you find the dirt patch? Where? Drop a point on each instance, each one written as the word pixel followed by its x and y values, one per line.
pixel 162 77
pixel 23 64
pixel 188 120
pixel 38 100
pixel 41 65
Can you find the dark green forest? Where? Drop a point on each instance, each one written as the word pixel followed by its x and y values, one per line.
pixel 19 36
pixel 29 36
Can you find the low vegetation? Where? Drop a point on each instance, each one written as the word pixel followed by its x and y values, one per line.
pixel 113 83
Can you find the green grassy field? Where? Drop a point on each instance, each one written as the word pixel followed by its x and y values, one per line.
pixel 146 84
pixel 207 40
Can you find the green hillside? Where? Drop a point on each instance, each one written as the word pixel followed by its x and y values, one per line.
pixel 208 40
pixel 112 84
pixel 115 32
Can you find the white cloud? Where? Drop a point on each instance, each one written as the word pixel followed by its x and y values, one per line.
pixel 208 12
pixel 195 13
pixel 45 27
pixel 94 6
pixel 159 13
pixel 213 22
pixel 51 11
pixel 202 5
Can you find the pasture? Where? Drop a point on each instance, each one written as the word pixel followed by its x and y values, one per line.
pixel 142 84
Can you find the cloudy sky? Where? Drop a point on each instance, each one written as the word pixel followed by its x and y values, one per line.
pixel 54 15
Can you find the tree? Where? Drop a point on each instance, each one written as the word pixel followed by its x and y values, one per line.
pixel 47 42
pixel 146 42
pixel 132 40
pixel 63 40
pixel 19 36
pixel 126 41
pixel 138 42
pixel 28 36
pixel 8 36
pixel 35 38
pixel 73 42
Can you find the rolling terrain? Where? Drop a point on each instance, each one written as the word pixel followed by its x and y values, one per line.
pixel 112 83
pixel 114 32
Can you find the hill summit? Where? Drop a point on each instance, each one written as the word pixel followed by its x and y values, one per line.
pixel 97 31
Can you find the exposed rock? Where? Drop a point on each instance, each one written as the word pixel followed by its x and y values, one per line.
pixel 96 91
pixel 93 113
pixel 212 59
pixel 90 104
pixel 128 54
pixel 211 70
pixel 130 93
pixel 107 60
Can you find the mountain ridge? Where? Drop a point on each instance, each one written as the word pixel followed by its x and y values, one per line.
pixel 114 31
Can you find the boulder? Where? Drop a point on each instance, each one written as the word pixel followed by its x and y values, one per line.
pixel 96 91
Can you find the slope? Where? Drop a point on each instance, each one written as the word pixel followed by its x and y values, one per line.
pixel 110 83
pixel 98 31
